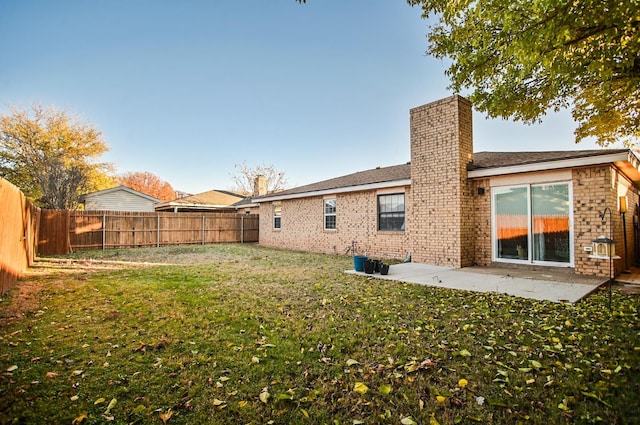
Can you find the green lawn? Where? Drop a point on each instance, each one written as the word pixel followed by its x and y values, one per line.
pixel 238 334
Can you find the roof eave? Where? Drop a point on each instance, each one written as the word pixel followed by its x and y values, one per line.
pixel 346 189
pixel 614 158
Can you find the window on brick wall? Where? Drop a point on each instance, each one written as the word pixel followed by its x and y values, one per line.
pixel 330 214
pixel 391 212
pixel 532 223
pixel 277 216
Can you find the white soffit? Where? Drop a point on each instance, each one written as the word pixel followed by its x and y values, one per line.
pixel 617 158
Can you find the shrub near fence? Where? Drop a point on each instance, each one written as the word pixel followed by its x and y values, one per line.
pixel 112 229
pixel 18 234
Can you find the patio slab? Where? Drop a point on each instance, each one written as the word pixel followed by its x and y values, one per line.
pixel 558 287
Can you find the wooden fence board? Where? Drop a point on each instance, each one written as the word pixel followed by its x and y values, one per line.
pixel 119 229
pixel 54 232
pixel 18 234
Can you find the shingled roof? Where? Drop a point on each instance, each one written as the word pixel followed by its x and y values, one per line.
pixel 212 199
pixel 401 174
pixel 506 159
pixel 361 178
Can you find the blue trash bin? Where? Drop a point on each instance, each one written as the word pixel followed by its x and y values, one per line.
pixel 358 262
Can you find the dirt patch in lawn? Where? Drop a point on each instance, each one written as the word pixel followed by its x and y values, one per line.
pixel 25 295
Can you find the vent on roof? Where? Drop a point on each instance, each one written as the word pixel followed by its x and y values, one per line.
pixel 378 167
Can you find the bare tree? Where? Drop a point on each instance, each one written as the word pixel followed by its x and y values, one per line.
pixel 245 177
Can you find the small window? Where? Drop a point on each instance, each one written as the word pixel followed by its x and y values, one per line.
pixel 391 212
pixel 329 214
pixel 277 216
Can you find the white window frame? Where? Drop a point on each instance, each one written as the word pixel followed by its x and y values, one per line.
pixel 277 216
pixel 331 214
pixel 494 227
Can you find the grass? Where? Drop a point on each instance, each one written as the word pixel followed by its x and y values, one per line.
pixel 248 335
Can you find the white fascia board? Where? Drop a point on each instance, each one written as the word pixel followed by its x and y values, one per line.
pixel 179 205
pixel 550 165
pixel 347 189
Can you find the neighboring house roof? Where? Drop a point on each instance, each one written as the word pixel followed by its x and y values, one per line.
pixel 210 200
pixel 245 203
pixel 484 164
pixel 119 198
pixel 117 189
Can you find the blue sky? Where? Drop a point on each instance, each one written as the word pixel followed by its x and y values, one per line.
pixel 187 89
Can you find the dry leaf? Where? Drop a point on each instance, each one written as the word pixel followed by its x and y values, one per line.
pixel 166 416
pixel 361 388
pixel 80 418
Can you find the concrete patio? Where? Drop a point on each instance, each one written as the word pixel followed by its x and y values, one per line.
pixel 559 285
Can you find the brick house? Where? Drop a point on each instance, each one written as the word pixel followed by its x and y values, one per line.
pixel 451 207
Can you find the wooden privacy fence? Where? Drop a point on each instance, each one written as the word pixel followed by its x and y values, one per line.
pixel 18 234
pixel 63 231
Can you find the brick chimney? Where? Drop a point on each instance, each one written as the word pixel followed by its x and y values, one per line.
pixel 260 185
pixel 441 198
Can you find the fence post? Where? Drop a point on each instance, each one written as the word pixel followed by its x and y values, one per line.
pixel 158 232
pixel 104 230
pixel 202 229
pixel 242 228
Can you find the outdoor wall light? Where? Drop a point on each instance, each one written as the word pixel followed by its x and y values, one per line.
pixel 623 209
pixel 622 205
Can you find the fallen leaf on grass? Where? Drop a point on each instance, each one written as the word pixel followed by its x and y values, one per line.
pixel 166 416
pixel 51 375
pixel 110 406
pixel 384 389
pixel 352 362
pixel 138 410
pixel 408 421
pixel 80 418
pixel 100 400
pixel 536 364
pixel 595 397
pixel 361 388
pixel 264 396
pixel 12 368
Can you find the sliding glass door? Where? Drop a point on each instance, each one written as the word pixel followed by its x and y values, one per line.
pixel 532 224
